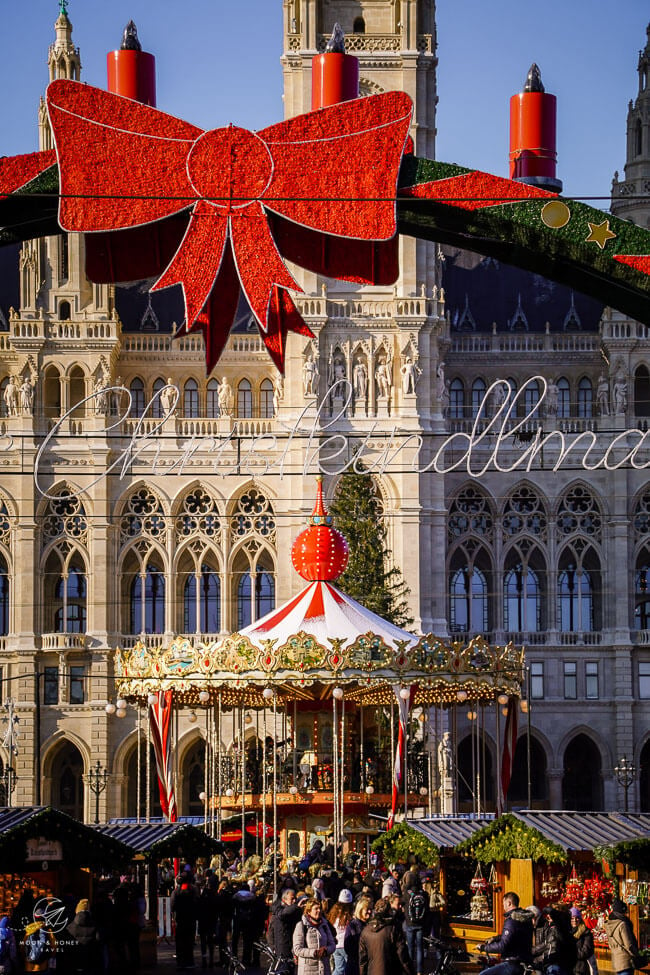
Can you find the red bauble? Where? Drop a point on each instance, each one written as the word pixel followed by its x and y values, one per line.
pixel 320 553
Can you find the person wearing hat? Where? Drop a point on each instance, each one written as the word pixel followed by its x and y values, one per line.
pixel 339 917
pixel 623 945
pixel 584 939
pixel 382 945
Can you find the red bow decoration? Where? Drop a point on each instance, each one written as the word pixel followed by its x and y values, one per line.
pixel 318 189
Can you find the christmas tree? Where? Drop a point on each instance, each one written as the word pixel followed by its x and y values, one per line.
pixel 358 513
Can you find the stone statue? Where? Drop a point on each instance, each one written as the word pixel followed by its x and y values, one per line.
pixel 336 43
pixel 620 396
pixel 226 402
pixel 339 369
pixel 440 381
pixel 445 757
pixel 11 396
pixel 27 396
pixel 410 374
pixel 310 376
pixel 116 397
pixel 101 399
pixel 445 399
pixel 278 394
pixel 360 377
pixel 168 396
pixel 602 395
pixel 552 396
pixel 384 375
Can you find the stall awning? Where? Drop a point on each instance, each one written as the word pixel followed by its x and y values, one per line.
pixel 32 835
pixel 157 840
pixel 447 831
pixel 582 831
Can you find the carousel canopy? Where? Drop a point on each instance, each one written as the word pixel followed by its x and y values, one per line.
pixel 318 640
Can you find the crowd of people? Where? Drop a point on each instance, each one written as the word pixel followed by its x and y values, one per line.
pixel 316 919
pixel 323 921
pixel 556 941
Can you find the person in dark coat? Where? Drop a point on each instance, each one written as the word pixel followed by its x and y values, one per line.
pixel 84 956
pixel 584 940
pixel 225 912
pixel 554 947
pixel 208 916
pixel 285 914
pixel 382 945
pixel 184 907
pixel 360 917
pixel 515 942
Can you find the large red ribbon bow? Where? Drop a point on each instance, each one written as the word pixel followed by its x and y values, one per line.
pixel 318 189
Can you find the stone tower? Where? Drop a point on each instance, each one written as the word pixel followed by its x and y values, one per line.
pixel 631 195
pixel 381 333
pixel 53 283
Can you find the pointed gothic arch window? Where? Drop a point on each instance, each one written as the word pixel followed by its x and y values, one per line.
pixel 137 397
pixel 575 594
pixel 193 780
pixel 266 399
pixel 638 138
pixel 191 399
pixel 469 609
pixel 132 784
pixel 156 405
pixel 585 398
pixel 212 410
pixel 478 398
pixel 642 591
pixel 148 599
pixel 69 606
pixel 202 602
pixel 77 391
pixel 4 598
pixel 255 596
pixel 244 399
pixel 642 391
pixel 531 399
pixel 457 399
pixel 522 602
pixel 563 398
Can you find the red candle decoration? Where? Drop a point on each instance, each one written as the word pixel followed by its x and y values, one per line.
pixel 131 71
pixel 533 154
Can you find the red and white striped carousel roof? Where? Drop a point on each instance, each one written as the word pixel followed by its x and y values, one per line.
pixel 323 611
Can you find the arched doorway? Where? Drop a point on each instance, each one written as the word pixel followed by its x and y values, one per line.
pixel 518 791
pixel 193 780
pixel 132 783
pixel 474 763
pixel 67 783
pixel 582 787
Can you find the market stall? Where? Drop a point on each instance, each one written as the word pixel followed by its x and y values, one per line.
pixel 48 852
pixel 547 857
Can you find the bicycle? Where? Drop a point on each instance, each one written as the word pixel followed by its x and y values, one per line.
pixel 235 966
pixel 280 964
pixel 448 956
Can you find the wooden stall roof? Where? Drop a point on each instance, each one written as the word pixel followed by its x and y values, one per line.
pixel 160 839
pixel 575 831
pixel 81 846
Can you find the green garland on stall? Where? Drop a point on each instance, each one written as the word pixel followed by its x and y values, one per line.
pixel 507 838
pixel 635 853
pixel 402 842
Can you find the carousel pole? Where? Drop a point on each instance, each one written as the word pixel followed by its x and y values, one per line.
pixel 335 750
pixel 206 772
pixel 392 742
pixel 342 776
pixel 275 795
pixel 147 783
pixel 264 777
pixel 138 788
pixel 362 769
pixel 294 736
pixel 220 768
pixel 242 751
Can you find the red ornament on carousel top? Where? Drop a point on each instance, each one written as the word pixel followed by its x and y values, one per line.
pixel 320 553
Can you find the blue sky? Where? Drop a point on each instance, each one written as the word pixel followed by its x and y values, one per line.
pixel 218 62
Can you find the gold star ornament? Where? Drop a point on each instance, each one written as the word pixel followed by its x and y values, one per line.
pixel 599 233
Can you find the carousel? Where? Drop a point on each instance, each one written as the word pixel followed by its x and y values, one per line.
pixel 335 714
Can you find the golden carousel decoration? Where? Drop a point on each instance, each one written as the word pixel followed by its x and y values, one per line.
pixel 326 676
